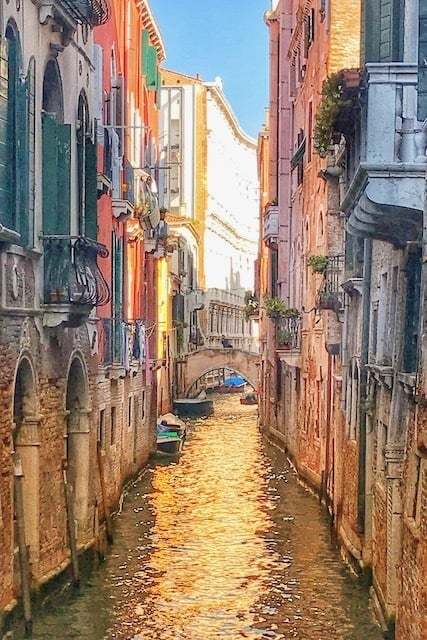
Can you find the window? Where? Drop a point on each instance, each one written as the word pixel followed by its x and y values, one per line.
pixel 374 334
pixel 412 311
pixel 142 405
pixel 130 411
pixel 309 31
pixel 310 131
pixel 101 428
pixel 87 172
pixel 15 137
pixel 113 425
pixel 274 272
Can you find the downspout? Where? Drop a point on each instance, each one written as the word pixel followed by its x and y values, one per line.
pixel 366 311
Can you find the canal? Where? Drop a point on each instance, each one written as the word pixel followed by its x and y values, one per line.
pixel 225 544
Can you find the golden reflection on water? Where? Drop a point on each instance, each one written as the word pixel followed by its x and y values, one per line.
pixel 209 556
pixel 223 545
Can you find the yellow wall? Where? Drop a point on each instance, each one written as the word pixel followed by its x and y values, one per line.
pixel 345 26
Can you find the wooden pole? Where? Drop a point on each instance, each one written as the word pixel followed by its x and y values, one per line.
pixel 71 526
pixel 24 562
pixel 108 522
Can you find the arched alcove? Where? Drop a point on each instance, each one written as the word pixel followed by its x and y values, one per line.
pixel 78 441
pixel 26 444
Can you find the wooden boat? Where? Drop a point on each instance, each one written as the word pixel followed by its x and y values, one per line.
pixel 171 433
pixel 249 398
pixel 193 407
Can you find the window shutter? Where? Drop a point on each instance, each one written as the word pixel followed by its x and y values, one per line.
pixel 145 43
pixel 5 209
pixel 63 156
pixel 422 62
pixel 22 165
pixel 91 195
pixel 117 245
pixel 56 147
pixel 391 32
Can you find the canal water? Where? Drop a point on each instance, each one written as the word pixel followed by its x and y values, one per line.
pixel 225 544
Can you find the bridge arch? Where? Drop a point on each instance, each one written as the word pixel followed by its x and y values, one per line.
pixel 203 361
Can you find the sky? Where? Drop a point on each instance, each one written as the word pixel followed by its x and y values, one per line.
pixel 226 38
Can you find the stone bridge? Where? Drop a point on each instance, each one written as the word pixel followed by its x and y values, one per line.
pixel 200 362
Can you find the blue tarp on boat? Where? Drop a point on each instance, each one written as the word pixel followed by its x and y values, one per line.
pixel 234 381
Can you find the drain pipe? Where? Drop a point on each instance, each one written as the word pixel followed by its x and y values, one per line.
pixel 366 313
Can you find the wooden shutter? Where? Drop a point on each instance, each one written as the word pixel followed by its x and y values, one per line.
pixel 422 62
pixel 145 43
pixel 91 195
pixel 117 245
pixel 56 148
pixel 22 165
pixel 5 209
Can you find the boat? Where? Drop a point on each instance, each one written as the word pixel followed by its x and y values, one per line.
pixel 171 433
pixel 233 384
pixel 193 407
pixel 249 398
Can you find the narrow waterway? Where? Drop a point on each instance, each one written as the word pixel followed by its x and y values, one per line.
pixel 224 544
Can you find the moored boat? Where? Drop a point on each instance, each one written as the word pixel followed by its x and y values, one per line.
pixel 193 407
pixel 171 433
pixel 249 398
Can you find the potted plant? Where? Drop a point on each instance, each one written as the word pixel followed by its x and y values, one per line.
pixel 275 308
pixel 318 263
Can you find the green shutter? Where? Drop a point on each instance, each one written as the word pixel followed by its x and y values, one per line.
pixel 383 30
pixel 56 148
pixel 22 167
pixel 117 245
pixel 63 141
pixel 5 209
pixel 91 195
pixel 149 66
pixel 145 43
pixel 422 62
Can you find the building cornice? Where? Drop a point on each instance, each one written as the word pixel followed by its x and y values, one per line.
pixel 149 23
pixel 219 97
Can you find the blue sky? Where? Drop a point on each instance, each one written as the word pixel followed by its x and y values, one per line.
pixel 226 38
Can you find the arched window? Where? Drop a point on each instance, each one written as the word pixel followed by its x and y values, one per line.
pixel 86 155
pixel 13 138
pixel 56 150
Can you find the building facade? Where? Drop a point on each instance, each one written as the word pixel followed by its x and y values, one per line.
pixel 342 168
pixel 80 239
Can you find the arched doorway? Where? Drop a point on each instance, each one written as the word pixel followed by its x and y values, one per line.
pixel 77 442
pixel 26 445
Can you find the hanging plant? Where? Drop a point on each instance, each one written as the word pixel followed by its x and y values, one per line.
pixel 327 113
pixel 318 263
pixel 275 307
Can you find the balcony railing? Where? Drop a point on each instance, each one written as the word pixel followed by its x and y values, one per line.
pixel 91 12
pixel 288 334
pixel 71 272
pixel 271 224
pixel 385 200
pixel 331 295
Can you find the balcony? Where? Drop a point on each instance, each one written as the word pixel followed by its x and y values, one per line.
pixel 385 198
pixel 90 12
pixel 73 283
pixel 288 340
pixel 331 296
pixel 271 224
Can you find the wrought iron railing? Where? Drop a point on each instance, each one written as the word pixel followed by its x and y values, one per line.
pixel 288 333
pixel 91 12
pixel 71 272
pixel 331 295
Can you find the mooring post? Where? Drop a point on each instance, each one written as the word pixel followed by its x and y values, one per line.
pixel 24 562
pixel 71 526
pixel 108 522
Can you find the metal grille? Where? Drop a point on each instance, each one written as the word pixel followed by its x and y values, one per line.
pixel 91 12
